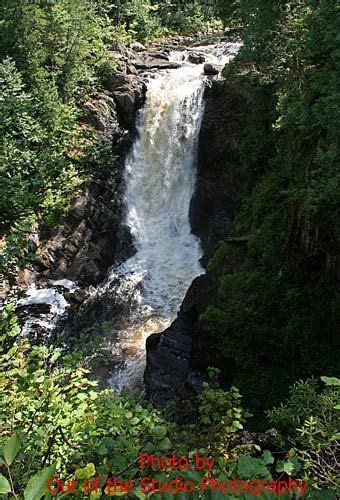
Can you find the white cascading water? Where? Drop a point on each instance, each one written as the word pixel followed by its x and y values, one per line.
pixel 160 184
pixel 160 180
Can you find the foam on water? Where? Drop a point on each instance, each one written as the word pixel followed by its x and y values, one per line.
pixel 44 296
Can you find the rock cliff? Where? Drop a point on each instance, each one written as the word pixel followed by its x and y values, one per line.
pixel 92 237
pixel 175 358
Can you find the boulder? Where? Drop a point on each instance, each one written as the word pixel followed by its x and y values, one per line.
pixel 100 113
pixel 210 69
pixel 155 63
pixel 138 47
pixel 159 55
pixel 196 58
pixel 129 97
pixel 112 79
pixel 130 69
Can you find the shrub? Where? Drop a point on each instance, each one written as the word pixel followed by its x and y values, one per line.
pixel 57 416
pixel 309 422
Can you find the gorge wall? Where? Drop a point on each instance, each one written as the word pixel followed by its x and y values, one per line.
pixel 92 237
pixel 175 358
pixel 266 310
pixel 256 281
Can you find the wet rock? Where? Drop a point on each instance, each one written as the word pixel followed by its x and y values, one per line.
pixel 33 310
pixel 210 69
pixel 196 58
pixel 76 297
pixel 159 55
pixel 91 314
pixel 125 246
pixel 138 47
pixel 168 363
pixel 104 309
pixel 152 63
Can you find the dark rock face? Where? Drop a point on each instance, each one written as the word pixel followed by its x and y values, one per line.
pixel 129 96
pixel 168 358
pixel 93 238
pixel 87 242
pixel 169 371
pixel 210 69
pixel 214 203
pixel 176 358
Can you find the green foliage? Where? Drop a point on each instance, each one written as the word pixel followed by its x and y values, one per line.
pixel 56 423
pixel 305 401
pixel 227 11
pixel 36 486
pixel 309 422
pixel 5 487
pixel 277 314
pixel 38 177
pixel 222 251
pixel 34 169
pixel 186 19
pixel 220 410
pixel 288 466
pixel 54 414
pixel 140 20
pixel 254 468
pixel 56 43
pixel 11 449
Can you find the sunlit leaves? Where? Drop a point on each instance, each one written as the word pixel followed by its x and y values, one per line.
pixel 11 449
pixel 36 486
pixel 61 416
pixel 5 487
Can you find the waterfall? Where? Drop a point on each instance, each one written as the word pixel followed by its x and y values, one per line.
pixel 160 179
pixel 160 183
